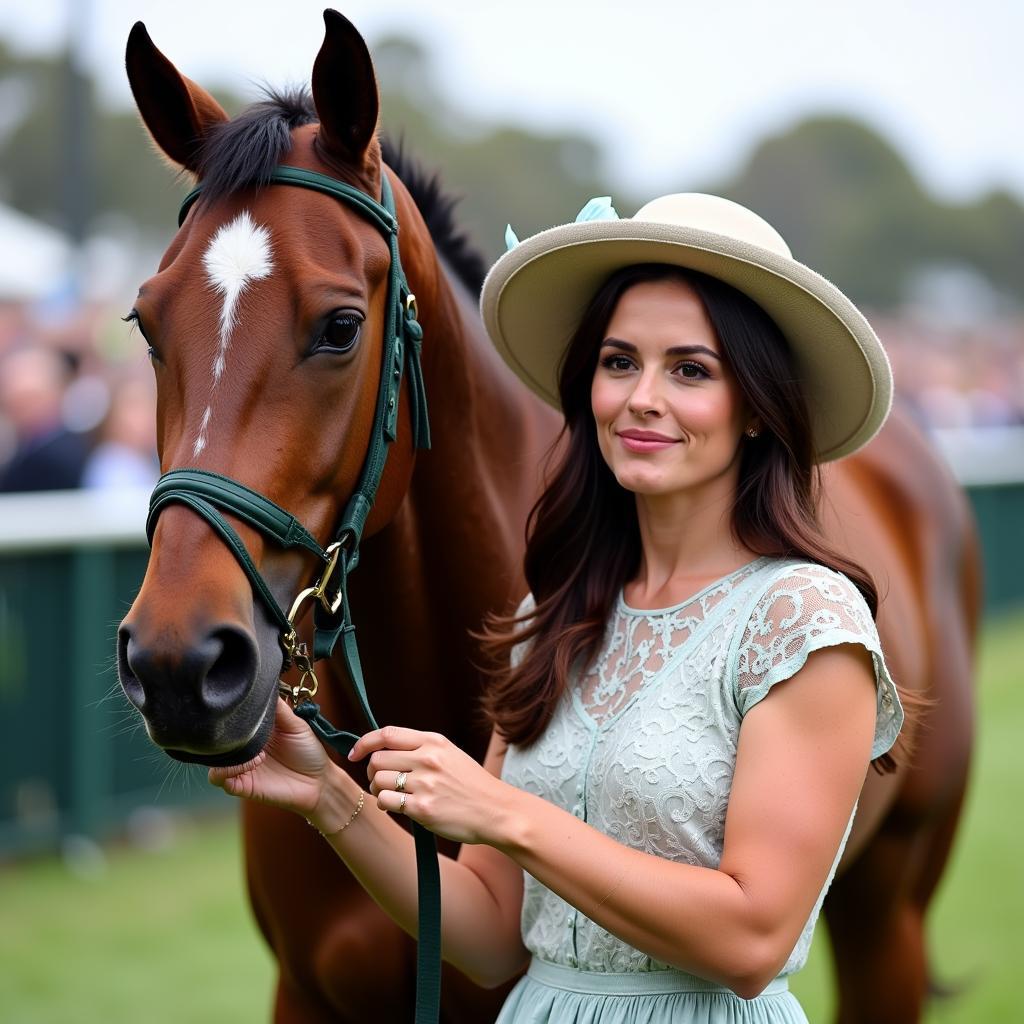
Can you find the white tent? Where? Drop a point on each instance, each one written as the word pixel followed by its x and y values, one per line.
pixel 34 258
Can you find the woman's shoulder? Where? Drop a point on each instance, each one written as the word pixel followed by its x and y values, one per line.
pixel 783 577
pixel 782 565
pixel 795 605
pixel 523 612
pixel 803 607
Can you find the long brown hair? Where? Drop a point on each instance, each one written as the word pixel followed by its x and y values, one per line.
pixel 583 539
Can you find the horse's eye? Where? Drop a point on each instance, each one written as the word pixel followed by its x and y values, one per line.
pixel 339 334
pixel 134 318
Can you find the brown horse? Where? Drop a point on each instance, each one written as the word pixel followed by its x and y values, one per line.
pixel 265 322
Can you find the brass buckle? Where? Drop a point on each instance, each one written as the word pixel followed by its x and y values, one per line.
pixel 298 652
pixel 317 591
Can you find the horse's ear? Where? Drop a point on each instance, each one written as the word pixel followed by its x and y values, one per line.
pixel 177 112
pixel 345 91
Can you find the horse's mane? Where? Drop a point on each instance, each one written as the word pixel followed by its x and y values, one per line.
pixel 244 151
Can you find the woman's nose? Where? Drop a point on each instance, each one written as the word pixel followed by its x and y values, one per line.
pixel 646 398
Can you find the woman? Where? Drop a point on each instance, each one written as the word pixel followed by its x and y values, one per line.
pixel 696 686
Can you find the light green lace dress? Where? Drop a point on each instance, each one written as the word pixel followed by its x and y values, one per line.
pixel 643 747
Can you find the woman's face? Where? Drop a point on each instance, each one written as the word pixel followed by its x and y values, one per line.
pixel 668 409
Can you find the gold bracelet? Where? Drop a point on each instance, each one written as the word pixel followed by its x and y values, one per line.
pixel 352 817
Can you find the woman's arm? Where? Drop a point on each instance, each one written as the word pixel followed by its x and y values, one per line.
pixel 802 755
pixel 481 892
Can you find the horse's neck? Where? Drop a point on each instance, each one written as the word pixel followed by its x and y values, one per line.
pixel 454 550
pixel 465 512
pixel 489 432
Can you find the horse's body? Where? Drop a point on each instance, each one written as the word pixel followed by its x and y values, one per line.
pixel 453 551
pixel 200 659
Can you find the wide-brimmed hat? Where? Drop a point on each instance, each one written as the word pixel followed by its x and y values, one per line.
pixel 534 296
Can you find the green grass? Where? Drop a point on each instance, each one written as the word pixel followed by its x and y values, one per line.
pixel 160 936
pixel 976 920
pixel 167 936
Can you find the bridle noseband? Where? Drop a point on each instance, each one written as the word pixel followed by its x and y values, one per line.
pixel 209 495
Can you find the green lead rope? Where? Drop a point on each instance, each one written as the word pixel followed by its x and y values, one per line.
pixel 211 494
pixel 428 946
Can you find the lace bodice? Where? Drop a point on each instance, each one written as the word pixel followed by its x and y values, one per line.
pixel 643 744
pixel 638 645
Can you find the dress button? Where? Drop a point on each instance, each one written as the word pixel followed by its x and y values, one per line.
pixel 568 921
pixel 579 789
pixel 572 960
pixel 578 811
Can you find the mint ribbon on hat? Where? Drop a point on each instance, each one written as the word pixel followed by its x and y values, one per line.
pixel 598 208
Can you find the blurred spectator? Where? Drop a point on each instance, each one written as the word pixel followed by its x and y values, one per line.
pixel 77 396
pixel 126 453
pixel 958 378
pixel 46 455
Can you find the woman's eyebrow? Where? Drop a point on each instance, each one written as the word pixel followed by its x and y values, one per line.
pixel 676 350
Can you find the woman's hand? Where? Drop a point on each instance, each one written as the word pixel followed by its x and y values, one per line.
pixel 291 772
pixel 445 789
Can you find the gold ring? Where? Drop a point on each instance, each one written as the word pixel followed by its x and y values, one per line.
pixel 401 804
pixel 400 782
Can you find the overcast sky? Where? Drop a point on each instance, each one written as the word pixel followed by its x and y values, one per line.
pixel 678 91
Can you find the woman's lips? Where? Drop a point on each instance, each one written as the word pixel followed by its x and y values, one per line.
pixel 645 441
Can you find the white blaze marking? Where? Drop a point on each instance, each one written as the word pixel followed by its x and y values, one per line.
pixel 238 253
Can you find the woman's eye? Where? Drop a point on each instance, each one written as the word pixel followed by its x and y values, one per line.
pixel 339 334
pixel 693 371
pixel 616 363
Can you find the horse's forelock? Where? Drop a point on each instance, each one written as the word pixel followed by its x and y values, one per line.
pixel 245 150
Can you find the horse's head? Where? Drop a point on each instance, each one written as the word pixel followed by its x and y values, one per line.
pixel 265 321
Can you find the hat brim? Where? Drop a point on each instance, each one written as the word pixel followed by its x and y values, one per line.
pixel 534 295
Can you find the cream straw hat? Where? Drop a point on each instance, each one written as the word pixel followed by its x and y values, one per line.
pixel 535 294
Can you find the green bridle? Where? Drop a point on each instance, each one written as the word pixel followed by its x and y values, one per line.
pixel 211 494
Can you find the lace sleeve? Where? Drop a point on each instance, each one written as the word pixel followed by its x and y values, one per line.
pixel 520 649
pixel 808 608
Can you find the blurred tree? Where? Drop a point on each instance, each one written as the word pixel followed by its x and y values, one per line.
pixel 127 180
pixel 504 173
pixel 989 235
pixel 849 205
pixel 841 194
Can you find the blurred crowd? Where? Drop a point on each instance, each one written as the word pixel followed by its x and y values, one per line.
pixel 958 378
pixel 77 401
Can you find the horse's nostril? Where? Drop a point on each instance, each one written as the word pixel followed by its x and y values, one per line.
pixel 129 680
pixel 211 675
pixel 231 674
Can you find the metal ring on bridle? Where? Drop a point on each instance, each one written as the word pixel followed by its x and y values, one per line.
pixel 317 592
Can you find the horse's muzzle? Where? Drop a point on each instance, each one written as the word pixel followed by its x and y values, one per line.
pixel 202 699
